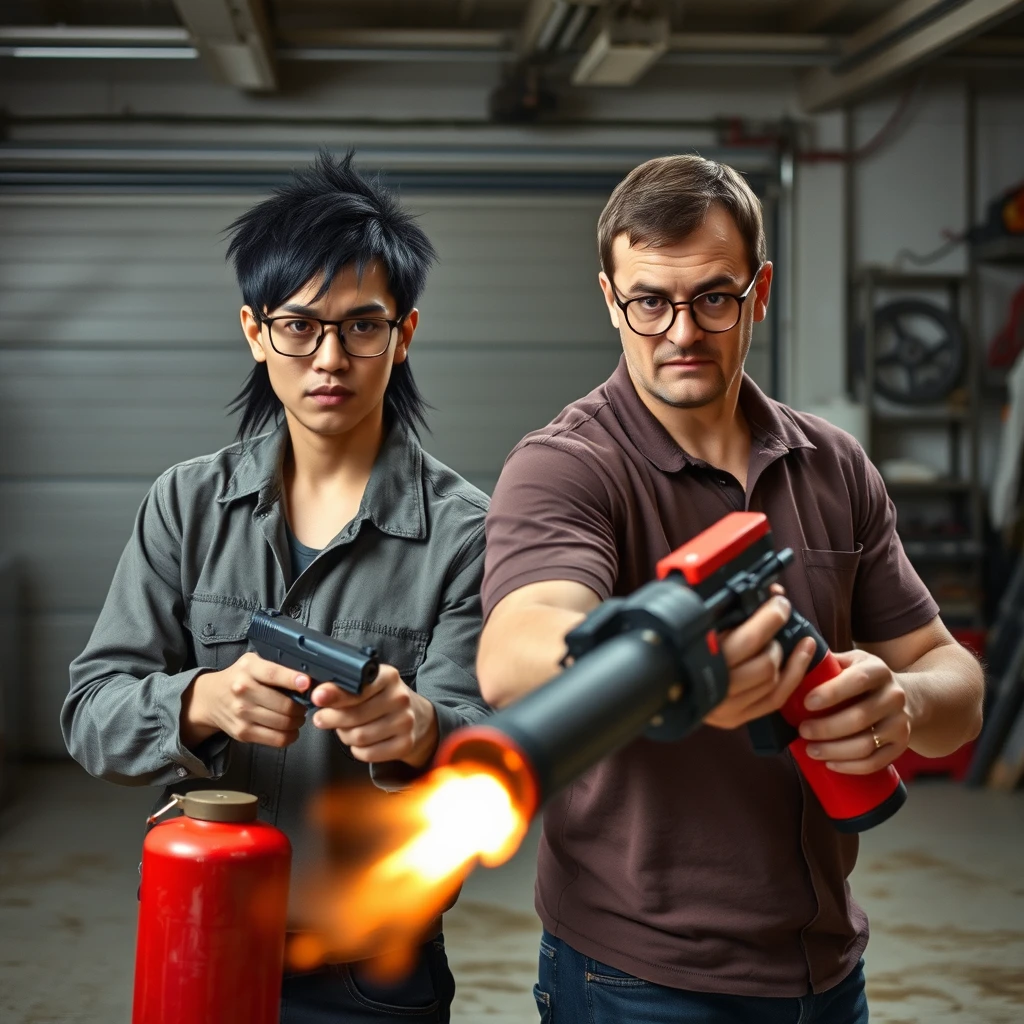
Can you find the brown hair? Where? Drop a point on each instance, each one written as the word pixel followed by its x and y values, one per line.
pixel 666 199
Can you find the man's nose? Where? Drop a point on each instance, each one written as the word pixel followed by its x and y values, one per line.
pixel 684 330
pixel 331 354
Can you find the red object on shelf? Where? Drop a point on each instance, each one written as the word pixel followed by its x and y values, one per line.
pixel 911 764
pixel 972 639
pixel 212 915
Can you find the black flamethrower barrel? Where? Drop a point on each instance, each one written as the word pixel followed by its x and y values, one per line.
pixel 554 734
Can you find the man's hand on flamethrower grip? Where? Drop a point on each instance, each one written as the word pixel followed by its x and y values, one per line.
pixel 861 723
pixel 867 725
pixel 759 682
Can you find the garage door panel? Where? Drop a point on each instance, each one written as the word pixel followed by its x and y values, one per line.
pixel 68 535
pixel 56 329
pixel 107 414
pixel 487 401
pixel 122 270
pixel 54 641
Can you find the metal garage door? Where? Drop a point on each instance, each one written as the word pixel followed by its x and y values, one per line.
pixel 120 346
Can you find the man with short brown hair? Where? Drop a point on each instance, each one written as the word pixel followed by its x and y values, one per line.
pixel 695 881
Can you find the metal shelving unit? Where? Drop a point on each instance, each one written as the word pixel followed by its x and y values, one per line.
pixel 1000 252
pixel 951 565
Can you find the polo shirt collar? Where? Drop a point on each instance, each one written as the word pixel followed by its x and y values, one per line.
pixel 393 500
pixel 772 428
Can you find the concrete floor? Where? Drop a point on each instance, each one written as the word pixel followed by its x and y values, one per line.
pixel 943 884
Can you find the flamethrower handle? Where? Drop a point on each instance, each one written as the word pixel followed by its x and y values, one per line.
pixel 855 803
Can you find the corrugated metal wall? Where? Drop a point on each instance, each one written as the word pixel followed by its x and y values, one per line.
pixel 120 346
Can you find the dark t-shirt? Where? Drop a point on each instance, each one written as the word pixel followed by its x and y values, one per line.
pixel 698 864
pixel 301 554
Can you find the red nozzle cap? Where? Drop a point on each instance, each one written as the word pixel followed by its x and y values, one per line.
pixel 710 550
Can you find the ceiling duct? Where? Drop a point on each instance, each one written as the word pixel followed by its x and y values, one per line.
pixel 554 26
pixel 233 38
pixel 629 38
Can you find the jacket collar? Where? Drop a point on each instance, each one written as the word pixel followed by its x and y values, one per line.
pixel 393 501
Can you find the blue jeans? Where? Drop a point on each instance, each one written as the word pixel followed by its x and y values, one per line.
pixel 345 994
pixel 576 989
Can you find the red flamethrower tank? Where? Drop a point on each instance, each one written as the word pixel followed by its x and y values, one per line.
pixel 212 915
pixel 715 559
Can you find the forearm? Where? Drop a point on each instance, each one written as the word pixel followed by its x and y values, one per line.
pixel 197 724
pixel 125 729
pixel 944 691
pixel 425 733
pixel 523 650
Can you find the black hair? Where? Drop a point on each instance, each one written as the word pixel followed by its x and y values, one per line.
pixel 326 218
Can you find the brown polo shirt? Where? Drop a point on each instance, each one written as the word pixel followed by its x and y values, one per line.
pixel 698 864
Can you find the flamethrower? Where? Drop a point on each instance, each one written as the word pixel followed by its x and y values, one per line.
pixel 650 664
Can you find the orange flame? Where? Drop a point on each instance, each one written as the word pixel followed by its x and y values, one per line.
pixel 397 862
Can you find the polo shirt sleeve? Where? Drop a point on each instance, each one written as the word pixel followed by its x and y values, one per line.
pixel 889 598
pixel 551 518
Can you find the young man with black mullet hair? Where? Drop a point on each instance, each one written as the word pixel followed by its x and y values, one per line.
pixel 336 516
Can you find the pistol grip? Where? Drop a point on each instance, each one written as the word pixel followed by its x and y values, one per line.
pixel 771 734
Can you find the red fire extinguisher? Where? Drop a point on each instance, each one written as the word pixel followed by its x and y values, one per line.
pixel 212 915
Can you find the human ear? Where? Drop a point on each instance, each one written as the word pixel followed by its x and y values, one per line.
pixel 762 292
pixel 253 336
pixel 406 330
pixel 609 298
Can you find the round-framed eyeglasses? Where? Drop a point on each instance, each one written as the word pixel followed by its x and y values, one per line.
pixel 298 337
pixel 713 312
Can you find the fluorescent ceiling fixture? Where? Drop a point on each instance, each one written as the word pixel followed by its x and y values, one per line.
pixel 102 52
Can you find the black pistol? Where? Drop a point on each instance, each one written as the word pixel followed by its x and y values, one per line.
pixel 287 642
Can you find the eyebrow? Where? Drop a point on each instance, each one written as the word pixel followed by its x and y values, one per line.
pixel 368 307
pixel 643 288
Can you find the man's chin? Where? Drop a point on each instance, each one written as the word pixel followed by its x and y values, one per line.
pixel 690 394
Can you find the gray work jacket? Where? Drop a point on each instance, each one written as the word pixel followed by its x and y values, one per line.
pixel 208 548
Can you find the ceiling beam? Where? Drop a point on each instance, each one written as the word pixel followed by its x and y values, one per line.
pixel 893 50
pixel 233 38
pixel 901 19
pixel 399 38
pixel 810 15
pixel 753 42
